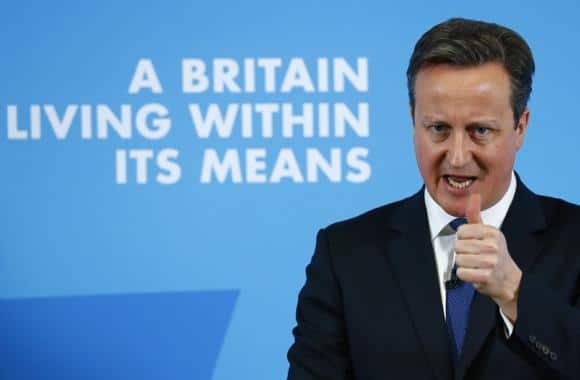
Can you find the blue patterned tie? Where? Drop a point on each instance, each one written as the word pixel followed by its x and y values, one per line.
pixel 459 296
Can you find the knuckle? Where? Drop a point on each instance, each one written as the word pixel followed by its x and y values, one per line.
pixel 487 275
pixel 491 246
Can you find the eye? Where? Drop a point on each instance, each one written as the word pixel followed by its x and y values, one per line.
pixel 481 132
pixel 438 129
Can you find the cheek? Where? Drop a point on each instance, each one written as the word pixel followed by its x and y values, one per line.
pixel 502 157
pixel 497 166
pixel 503 165
pixel 426 157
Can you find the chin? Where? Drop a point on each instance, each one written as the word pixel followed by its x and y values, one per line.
pixel 458 212
pixel 453 205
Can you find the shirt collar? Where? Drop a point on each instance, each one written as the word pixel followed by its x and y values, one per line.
pixel 493 216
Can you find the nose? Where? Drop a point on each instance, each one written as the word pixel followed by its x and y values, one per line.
pixel 459 152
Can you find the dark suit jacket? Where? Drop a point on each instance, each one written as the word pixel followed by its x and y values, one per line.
pixel 371 306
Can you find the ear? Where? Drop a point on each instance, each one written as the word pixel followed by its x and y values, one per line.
pixel 522 127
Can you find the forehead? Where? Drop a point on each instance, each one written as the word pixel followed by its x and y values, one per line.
pixel 482 90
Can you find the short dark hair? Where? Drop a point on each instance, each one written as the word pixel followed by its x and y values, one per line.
pixel 465 42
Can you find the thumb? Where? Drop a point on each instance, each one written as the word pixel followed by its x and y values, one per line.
pixel 473 209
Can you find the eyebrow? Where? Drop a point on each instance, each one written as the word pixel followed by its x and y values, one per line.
pixel 475 124
pixel 483 123
pixel 430 122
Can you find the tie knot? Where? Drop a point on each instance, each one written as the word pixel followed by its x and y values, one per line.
pixel 455 223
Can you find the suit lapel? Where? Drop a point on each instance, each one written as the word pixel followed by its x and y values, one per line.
pixel 521 226
pixel 411 256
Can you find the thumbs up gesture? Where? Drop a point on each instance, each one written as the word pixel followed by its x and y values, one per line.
pixel 483 259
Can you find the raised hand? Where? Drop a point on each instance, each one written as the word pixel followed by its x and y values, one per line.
pixel 483 260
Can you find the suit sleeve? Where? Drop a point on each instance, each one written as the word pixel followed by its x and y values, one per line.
pixel 548 326
pixel 320 350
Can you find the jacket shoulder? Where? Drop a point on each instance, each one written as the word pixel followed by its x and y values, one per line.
pixel 372 224
pixel 559 212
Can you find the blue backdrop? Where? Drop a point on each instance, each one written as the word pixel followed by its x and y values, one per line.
pixel 120 260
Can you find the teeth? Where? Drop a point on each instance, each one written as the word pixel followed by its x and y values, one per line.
pixel 459 185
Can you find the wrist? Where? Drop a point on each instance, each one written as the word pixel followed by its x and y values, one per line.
pixel 509 303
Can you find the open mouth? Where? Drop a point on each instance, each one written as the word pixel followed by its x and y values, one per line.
pixel 459 182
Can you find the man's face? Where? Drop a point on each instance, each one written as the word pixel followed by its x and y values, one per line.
pixel 464 135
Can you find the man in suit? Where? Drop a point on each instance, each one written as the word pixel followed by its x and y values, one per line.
pixel 473 277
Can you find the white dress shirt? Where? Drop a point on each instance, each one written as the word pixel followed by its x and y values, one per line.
pixel 443 237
